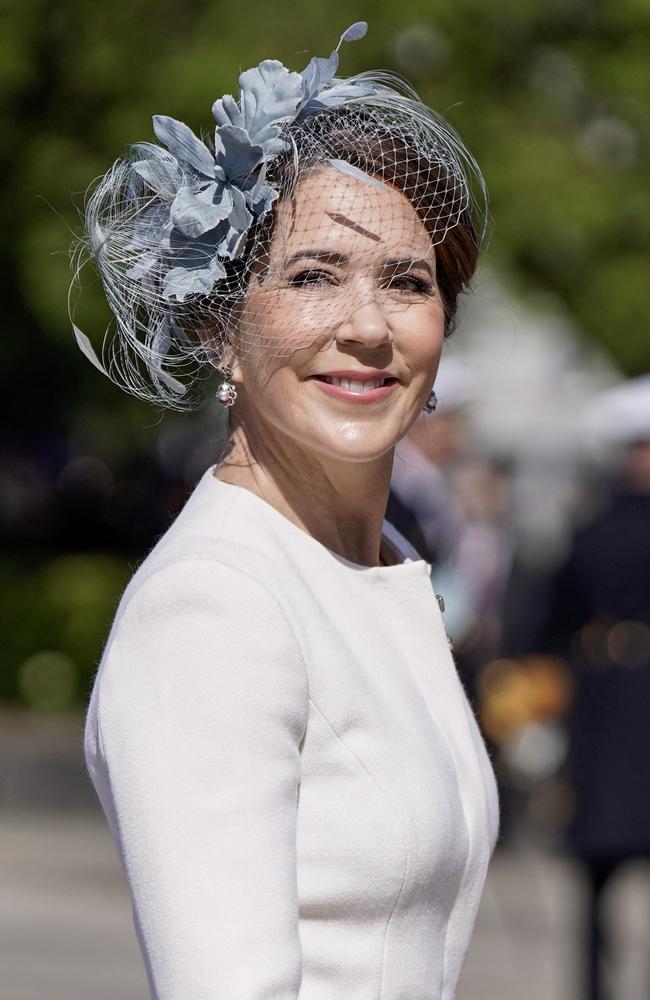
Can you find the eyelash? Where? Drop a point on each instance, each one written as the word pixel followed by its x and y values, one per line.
pixel 296 279
pixel 419 285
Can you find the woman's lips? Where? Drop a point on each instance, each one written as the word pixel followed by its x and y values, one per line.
pixel 358 392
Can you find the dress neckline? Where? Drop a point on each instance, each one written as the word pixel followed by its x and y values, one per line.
pixel 391 539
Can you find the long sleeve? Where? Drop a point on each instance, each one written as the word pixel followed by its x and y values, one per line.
pixel 193 744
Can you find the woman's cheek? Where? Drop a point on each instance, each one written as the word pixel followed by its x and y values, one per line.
pixel 308 324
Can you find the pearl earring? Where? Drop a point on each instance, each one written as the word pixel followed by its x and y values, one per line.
pixel 226 393
pixel 431 402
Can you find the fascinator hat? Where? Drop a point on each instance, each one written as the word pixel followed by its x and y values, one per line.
pixel 179 228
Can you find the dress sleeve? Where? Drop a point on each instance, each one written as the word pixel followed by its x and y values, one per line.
pixel 192 741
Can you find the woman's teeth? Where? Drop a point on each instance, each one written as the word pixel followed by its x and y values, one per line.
pixel 351 385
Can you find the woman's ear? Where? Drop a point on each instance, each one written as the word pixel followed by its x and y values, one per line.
pixel 218 349
pixel 217 332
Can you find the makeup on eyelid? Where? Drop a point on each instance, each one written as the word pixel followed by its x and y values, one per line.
pixel 336 258
pixel 394 272
pixel 318 279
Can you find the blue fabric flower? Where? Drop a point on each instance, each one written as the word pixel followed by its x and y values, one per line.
pixel 209 200
pixel 205 194
pixel 161 173
pixel 197 267
pixel 268 98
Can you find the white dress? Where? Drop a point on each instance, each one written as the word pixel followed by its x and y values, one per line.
pixel 297 788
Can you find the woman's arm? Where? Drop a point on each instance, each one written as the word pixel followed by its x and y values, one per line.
pixel 192 743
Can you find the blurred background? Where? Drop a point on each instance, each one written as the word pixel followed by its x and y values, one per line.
pixel 529 489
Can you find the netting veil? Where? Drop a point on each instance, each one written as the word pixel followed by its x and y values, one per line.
pixel 314 195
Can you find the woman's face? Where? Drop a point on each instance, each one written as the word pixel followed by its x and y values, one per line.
pixel 341 332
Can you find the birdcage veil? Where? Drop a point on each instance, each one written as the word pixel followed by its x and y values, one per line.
pixel 182 230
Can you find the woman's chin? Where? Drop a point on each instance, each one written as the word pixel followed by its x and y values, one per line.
pixel 363 434
pixel 351 443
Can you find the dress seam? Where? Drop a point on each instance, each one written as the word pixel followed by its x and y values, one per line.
pixel 407 857
pixel 470 838
pixel 438 617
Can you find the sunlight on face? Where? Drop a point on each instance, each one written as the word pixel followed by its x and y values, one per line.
pixel 348 287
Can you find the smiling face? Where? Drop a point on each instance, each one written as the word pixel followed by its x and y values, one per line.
pixel 342 328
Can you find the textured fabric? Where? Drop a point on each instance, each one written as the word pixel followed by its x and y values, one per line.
pixel 296 785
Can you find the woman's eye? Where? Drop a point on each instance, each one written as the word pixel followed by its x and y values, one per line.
pixel 410 283
pixel 312 276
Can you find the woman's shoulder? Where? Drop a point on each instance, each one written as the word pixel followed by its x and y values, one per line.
pixel 190 610
pixel 208 542
pixel 195 626
pixel 198 570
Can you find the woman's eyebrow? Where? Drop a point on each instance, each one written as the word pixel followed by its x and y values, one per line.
pixel 327 256
pixel 341 259
pixel 410 262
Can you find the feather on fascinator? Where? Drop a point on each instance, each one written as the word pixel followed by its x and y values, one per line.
pixel 176 228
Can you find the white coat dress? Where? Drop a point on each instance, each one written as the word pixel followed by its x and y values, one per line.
pixel 299 794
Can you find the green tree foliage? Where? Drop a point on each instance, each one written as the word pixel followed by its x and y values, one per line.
pixel 553 97
pixel 55 613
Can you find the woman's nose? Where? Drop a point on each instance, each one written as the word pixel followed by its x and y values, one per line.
pixel 365 325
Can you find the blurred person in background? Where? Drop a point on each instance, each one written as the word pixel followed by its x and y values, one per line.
pixel 421 501
pixel 599 622
pixel 454 503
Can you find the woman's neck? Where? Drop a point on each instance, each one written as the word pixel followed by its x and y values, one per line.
pixel 340 504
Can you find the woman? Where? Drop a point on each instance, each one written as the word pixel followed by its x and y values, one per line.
pixel 295 782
